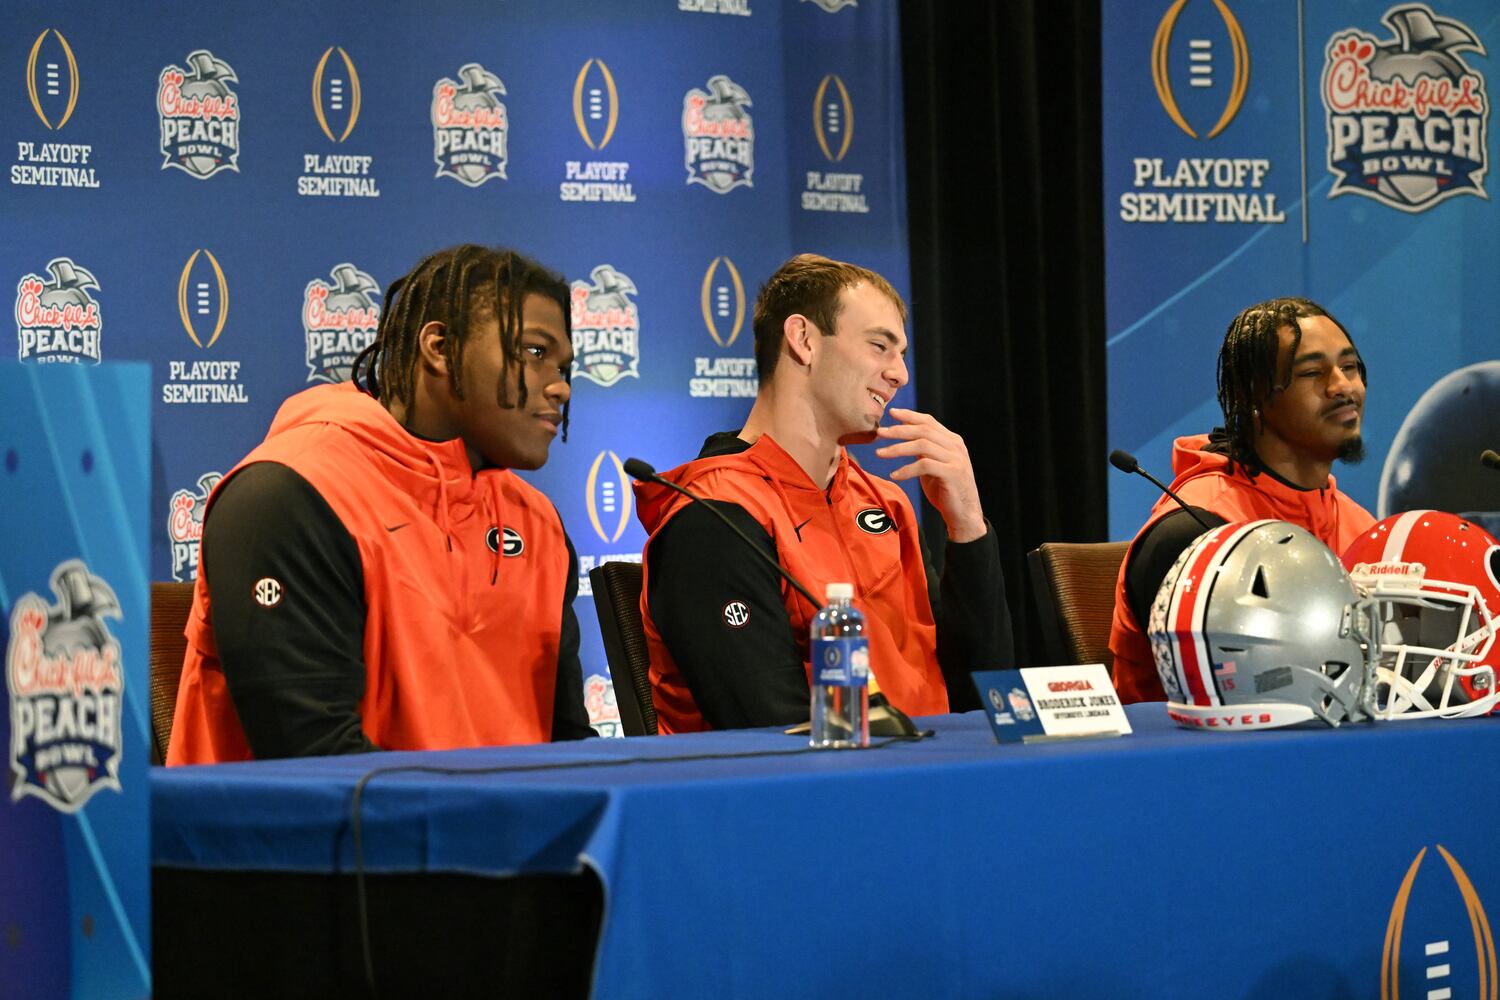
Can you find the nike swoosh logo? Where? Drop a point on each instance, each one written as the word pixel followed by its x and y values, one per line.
pixel 397 527
pixel 798 529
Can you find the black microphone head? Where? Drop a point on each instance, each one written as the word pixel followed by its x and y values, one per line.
pixel 636 469
pixel 1123 460
pixel 1490 458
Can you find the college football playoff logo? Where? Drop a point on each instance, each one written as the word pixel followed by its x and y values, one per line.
pixel 339 321
pixel 596 104
pixel 336 92
pixel 203 298
pixel 608 497
pixel 44 80
pixel 56 317
pixel 200 116
pixel 722 299
pixel 1432 907
pixel 718 136
pixel 833 118
pixel 470 126
pixel 1407 116
pixel 67 685
pixel 1205 65
pixel 606 328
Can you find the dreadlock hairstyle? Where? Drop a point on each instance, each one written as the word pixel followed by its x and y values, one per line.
pixel 1248 374
pixel 810 285
pixel 458 287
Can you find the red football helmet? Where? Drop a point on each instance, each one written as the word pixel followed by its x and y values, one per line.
pixel 1436 580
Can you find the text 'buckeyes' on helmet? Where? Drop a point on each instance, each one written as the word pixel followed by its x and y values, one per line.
pixel 1257 626
pixel 1434 582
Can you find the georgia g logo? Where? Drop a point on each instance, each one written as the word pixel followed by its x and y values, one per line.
pixel 512 546
pixel 67 688
pixel 200 116
pixel 874 521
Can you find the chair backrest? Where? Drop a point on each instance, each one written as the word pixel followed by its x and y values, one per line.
pixel 170 604
pixel 617 599
pixel 1074 587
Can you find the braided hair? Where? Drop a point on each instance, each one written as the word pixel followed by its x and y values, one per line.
pixel 458 287
pixel 1249 373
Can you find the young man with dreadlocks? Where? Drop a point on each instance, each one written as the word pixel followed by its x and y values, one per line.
pixel 374 575
pixel 728 639
pixel 1292 388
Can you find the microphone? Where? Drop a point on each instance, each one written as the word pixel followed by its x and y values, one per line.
pixel 637 469
pixel 1125 462
pixel 885 719
pixel 1489 458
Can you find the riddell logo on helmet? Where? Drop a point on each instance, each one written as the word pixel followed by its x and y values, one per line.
pixel 1389 570
pixel 1222 721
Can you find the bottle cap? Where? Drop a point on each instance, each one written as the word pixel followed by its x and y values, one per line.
pixel 839 592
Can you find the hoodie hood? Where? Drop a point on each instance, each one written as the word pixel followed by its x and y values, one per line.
pixel 765 459
pixel 1196 457
pixel 422 469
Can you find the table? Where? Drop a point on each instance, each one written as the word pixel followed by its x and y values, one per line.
pixel 1166 863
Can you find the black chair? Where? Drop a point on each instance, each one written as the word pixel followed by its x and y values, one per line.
pixel 617 599
pixel 1074 587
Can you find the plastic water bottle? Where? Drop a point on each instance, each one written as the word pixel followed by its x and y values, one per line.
pixel 840 673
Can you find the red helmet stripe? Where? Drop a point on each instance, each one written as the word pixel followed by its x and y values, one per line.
pixel 1196 665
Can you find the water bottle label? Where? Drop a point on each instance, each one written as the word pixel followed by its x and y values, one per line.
pixel 843 660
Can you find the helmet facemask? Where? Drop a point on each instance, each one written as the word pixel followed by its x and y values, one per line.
pixel 1429 648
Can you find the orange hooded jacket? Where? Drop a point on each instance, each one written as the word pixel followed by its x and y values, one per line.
pixel 446 663
pixel 1203 480
pixel 886 569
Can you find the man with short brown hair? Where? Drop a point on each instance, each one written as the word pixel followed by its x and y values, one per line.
pixel 729 640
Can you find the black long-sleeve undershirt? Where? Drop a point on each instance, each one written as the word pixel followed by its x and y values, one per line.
pixel 753 674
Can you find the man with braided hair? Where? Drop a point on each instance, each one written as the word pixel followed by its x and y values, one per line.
pixel 374 575
pixel 1292 388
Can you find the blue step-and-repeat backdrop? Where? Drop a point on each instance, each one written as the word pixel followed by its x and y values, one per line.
pixel 224 193
pixel 1339 151
pixel 75 709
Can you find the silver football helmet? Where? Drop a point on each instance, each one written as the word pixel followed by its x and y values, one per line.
pixel 1257 625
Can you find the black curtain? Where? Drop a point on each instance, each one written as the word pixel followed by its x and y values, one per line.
pixel 1007 254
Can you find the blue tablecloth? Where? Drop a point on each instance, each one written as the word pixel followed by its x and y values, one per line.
pixel 1166 863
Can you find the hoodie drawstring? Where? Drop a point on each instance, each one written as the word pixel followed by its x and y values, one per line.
pixel 499 528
